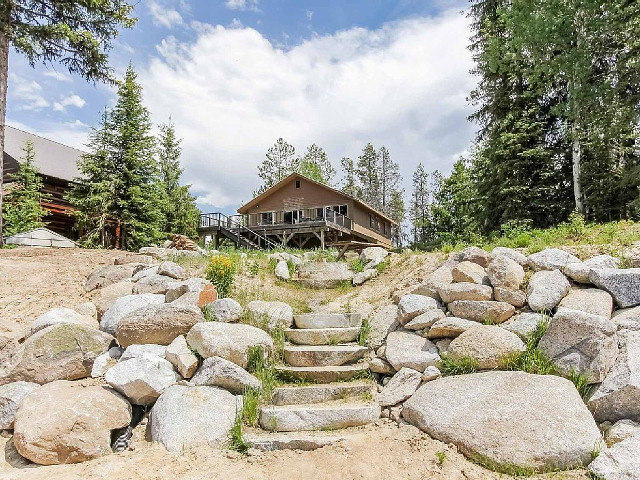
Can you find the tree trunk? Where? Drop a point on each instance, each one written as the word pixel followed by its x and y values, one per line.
pixel 576 157
pixel 4 75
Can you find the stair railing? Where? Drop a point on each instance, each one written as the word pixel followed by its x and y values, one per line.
pixel 234 224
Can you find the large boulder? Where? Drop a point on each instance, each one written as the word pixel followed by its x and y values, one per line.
pixel 171 269
pixel 482 311
pixel 270 314
pixel 469 272
pixel 224 310
pixel 365 276
pixel 412 305
pixel 184 416
pixel 465 291
pixel 475 255
pixel 282 270
pixel 620 462
pixel 621 430
pixel 105 297
pixel 627 318
pixel 450 327
pixel 525 323
pixel 158 284
pixel 517 298
pixel 551 259
pixel 505 272
pixel 59 352
pixel 624 285
pixel 324 274
pixel 133 351
pixel 60 315
pixel 408 349
pixel 181 357
pixel 230 341
pixel 513 254
pixel 589 300
pixel 425 320
pixel 105 361
pixel 11 397
pixel 133 258
pixel 401 386
pixel 110 274
pixel 546 289
pixel 218 372
pixel 373 254
pixel 618 397
pixel 178 289
pixel 441 276
pixel 507 418
pixel 581 342
pixel 488 345
pixel 67 422
pixel 579 271
pixel 158 324
pixel 383 322
pixel 142 379
pixel 123 306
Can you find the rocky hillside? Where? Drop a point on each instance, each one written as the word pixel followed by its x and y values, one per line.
pixel 524 364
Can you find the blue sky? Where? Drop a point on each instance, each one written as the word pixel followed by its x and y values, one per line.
pixel 234 75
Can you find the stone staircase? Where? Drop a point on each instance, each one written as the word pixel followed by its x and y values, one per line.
pixel 323 363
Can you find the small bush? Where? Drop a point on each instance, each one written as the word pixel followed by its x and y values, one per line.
pixel 450 365
pixel 220 272
pixel 441 456
pixel 356 265
pixel 236 442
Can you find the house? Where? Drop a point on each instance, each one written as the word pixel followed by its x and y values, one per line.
pixel 58 168
pixel 300 212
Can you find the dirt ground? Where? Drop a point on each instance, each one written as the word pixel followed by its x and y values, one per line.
pixel 35 280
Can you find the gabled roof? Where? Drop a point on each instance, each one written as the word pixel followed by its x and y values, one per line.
pixel 244 209
pixel 52 159
pixel 40 237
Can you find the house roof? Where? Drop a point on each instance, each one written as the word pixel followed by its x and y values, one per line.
pixel 244 209
pixel 52 159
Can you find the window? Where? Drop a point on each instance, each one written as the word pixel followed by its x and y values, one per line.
pixel 266 218
pixel 319 213
pixel 372 221
pixel 297 183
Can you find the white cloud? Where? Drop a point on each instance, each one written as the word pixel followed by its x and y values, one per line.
pixel 309 14
pixel 231 94
pixel 27 92
pixel 163 16
pixel 252 5
pixel 69 101
pixel 59 76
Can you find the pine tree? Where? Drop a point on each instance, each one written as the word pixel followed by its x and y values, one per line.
pixel 316 165
pixel 94 194
pixel 22 210
pixel 419 207
pixel 389 178
pixel 349 186
pixel 278 164
pixel 396 210
pixel 368 175
pixel 122 163
pixel 179 207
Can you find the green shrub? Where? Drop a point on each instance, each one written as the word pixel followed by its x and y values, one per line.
pixel 450 365
pixel 254 269
pixel 581 381
pixel 220 272
pixel 356 265
pixel 365 330
pixel 236 442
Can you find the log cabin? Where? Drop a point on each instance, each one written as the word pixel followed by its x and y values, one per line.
pixel 57 164
pixel 300 212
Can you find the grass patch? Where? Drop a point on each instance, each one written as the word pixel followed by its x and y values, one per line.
pixel 532 360
pixel 382 266
pixel 504 468
pixel 356 265
pixel 581 381
pixel 441 456
pixel 450 365
pixel 343 287
pixel 365 330
pixel 236 442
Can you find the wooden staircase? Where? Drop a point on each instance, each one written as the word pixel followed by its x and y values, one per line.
pixel 329 388
pixel 233 229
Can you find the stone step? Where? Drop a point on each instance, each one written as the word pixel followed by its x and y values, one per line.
pixel 269 442
pixel 328 374
pixel 322 355
pixel 328 320
pixel 321 336
pixel 295 418
pixel 310 394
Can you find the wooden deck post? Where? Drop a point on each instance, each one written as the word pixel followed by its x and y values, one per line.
pixel 322 239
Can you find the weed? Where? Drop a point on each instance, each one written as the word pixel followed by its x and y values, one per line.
pixel 532 360
pixel 356 265
pixel 382 266
pixel 291 267
pixel 221 271
pixel 254 268
pixel 581 381
pixel 505 468
pixel 366 397
pixel 344 286
pixel 250 405
pixel 450 365
pixel 236 442
pixel 365 330
pixel 441 456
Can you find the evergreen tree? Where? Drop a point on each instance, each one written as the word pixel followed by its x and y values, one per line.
pixel 94 194
pixel 316 165
pixel 278 164
pixel 123 161
pixel 419 207
pixel 77 34
pixel 389 178
pixel 350 186
pixel 368 175
pixel 179 207
pixel 396 209
pixel 22 210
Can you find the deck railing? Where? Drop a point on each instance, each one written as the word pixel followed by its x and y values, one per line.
pixel 235 224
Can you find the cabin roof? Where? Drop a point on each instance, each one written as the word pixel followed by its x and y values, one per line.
pixel 244 209
pixel 52 159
